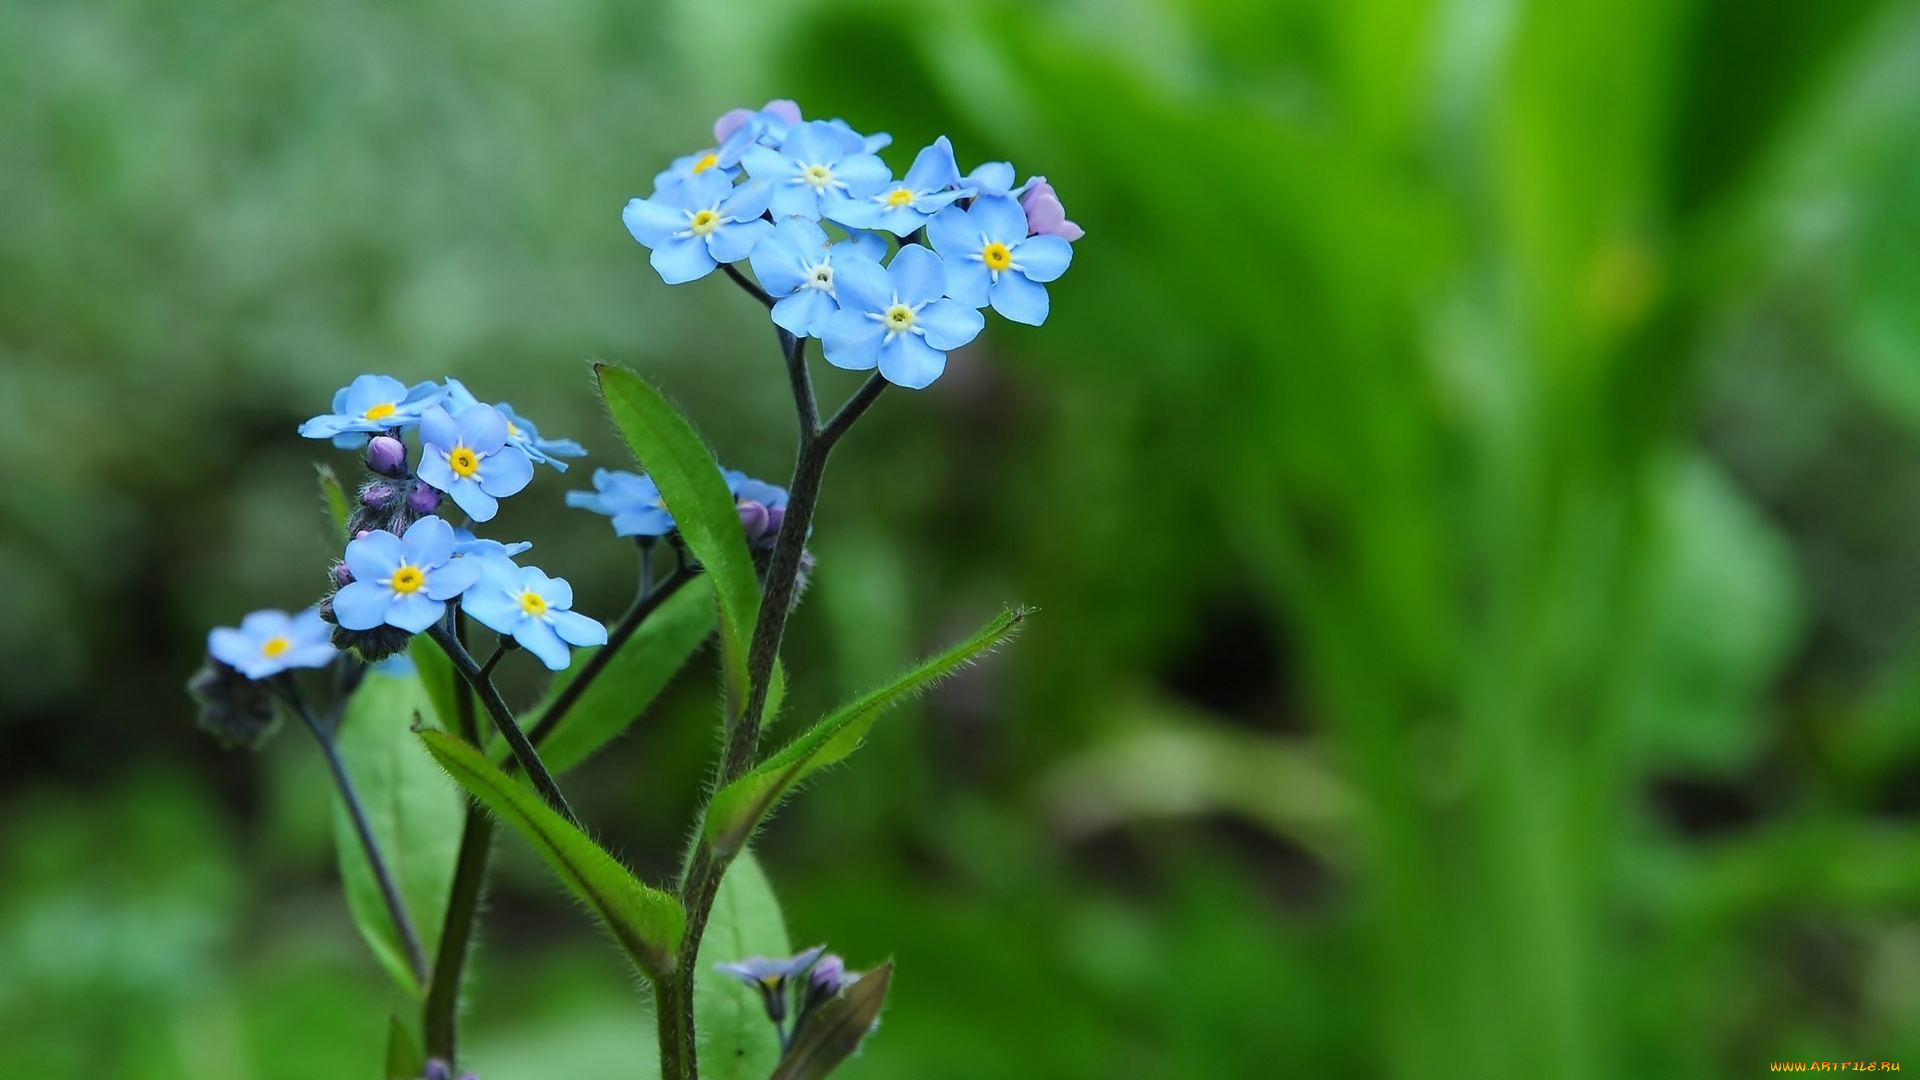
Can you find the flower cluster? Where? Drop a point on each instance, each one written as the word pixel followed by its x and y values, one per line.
pixel 635 504
pixel 795 986
pixel 959 243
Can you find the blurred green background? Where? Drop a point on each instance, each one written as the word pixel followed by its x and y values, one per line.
pixel 1468 480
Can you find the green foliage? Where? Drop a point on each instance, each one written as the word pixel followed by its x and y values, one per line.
pixel 836 1032
pixel 696 494
pixel 645 921
pixel 414 813
pixel 736 1041
pixel 736 809
pixel 335 498
pixel 405 1059
pixel 437 676
pixel 631 680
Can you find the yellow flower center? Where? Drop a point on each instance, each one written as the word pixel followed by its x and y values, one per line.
pixel 818 175
pixel 463 462
pixel 381 412
pixel 407 579
pixel 533 603
pixel 275 646
pixel 899 197
pixel 899 319
pixel 707 161
pixel 996 256
pixel 513 430
pixel 704 222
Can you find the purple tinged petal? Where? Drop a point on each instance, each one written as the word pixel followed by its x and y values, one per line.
pixel 682 259
pixel 950 324
pixel 505 472
pixel 414 612
pixel 1019 299
pixel 910 362
pixel 375 556
pixel 784 109
pixel 361 605
pixel 729 122
pixel 577 629
pixel 918 275
pixel 1045 215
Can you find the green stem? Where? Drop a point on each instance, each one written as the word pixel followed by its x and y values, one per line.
pixel 517 741
pixel 441 1013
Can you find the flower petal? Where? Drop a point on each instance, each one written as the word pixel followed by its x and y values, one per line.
pixel 1043 258
pixel 651 221
pixel 862 284
pixel 492 607
pixel 576 629
pixel 1019 299
pixel 438 429
pixel 968 281
pixel 539 638
pixel 800 313
pixel 934 167
pixel 910 362
pixel 468 496
pixel 848 339
pixel 731 243
pixel 682 259
pixel 458 576
pixel 999 218
pixel 863 174
pixel 505 472
pixel 919 276
pixel 414 612
pixel 361 604
pixel 375 556
pixel 950 324
pixel 429 542
pixel 953 234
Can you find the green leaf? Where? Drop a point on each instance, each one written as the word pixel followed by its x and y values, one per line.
pixel 736 1042
pixel 695 492
pixel 739 806
pixel 414 813
pixel 335 496
pixel 647 922
pixel 837 1030
pixel 632 679
pixel 437 675
pixel 405 1059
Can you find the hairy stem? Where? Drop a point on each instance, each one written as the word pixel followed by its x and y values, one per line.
pixel 441 1012
pixel 350 798
pixel 523 751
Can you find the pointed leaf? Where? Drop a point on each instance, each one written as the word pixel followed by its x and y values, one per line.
pixel 405 1059
pixel 695 492
pixel 437 675
pixel 335 496
pixel 737 809
pixel 414 813
pixel 647 922
pixel 835 1033
pixel 632 679
pixel 736 1040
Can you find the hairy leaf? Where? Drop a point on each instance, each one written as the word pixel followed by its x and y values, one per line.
pixel 837 1030
pixel 739 806
pixel 647 922
pixel 736 1040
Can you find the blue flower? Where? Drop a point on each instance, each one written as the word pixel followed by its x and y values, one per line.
pixel 633 502
pixel 817 170
pixel 928 187
pixel 795 264
pixel 703 222
pixel 521 431
pixel 490 554
pixel 369 405
pixel 872 144
pixel 270 642
pixel 991 259
pixel 533 609
pixel 895 318
pixel 993 178
pixel 688 166
pixel 770 976
pixel 769 125
pixel 762 506
pixel 471 459
pixel 403 582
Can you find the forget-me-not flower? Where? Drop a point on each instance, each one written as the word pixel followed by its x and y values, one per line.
pixel 471 458
pixel 818 168
pixel 872 144
pixel 1045 215
pixel 762 506
pixel 687 166
pixel 521 431
pixel 993 178
pixel 771 976
pixel 895 317
pixel 900 208
pixel 490 554
pixel 533 609
pixel 403 581
pixel 703 222
pixel 270 642
pixel 795 264
pixel 769 123
pixel 633 502
pixel 369 405
pixel 990 257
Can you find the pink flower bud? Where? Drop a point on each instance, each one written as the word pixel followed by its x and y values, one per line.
pixel 1045 215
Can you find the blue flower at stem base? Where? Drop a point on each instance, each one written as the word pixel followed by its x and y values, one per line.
pixel 270 642
pixel 703 222
pixel 534 610
pixel 896 319
pixel 991 259
pixel 369 405
pixel 403 582
pixel 470 458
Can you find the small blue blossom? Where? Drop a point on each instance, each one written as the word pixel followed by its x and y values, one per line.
pixel 471 459
pixel 703 222
pixel 403 582
pixel 816 171
pixel 993 178
pixel 991 259
pixel 633 502
pixel 894 317
pixel 768 125
pixel 533 609
pixel 771 977
pixel 795 265
pixel 688 166
pixel 521 431
pixel 928 188
pixel 491 554
pixel 872 144
pixel 369 405
pixel 270 642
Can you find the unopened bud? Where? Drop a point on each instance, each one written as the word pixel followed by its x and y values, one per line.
pixel 828 976
pixel 775 515
pixel 387 456
pixel 376 496
pixel 423 499
pixel 342 575
pixel 233 708
pixel 754 518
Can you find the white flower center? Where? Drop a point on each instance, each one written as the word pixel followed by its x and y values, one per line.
pixel 820 277
pixel 819 176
